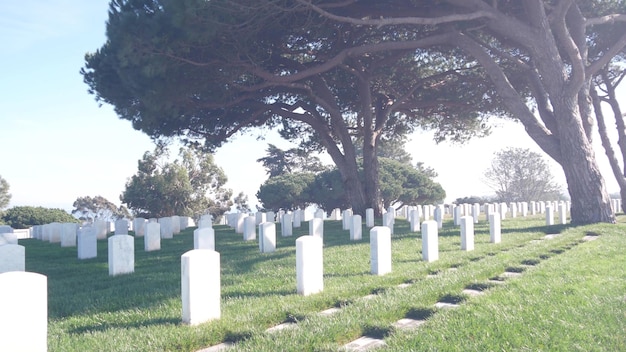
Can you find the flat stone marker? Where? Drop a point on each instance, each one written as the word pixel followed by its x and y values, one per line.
pixel 430 241
pixel 309 265
pixel 470 292
pixel 316 228
pixel 24 312
pixel 495 235
pixel 467 233
pixel 280 327
pixel 380 250
pixel 590 238
pixel 152 237
pixel 87 243
pixel 121 254
pixel 217 348
pixel 551 236
pixel 200 286
pixel 508 274
pixel 364 343
pixel 12 258
pixel 249 228
pixel 356 228
pixel 329 311
pixel 404 285
pixel 446 305
pixel 204 238
pixel 408 323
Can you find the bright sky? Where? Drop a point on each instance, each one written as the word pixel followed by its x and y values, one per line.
pixel 57 144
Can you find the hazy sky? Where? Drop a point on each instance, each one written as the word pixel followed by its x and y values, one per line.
pixel 57 144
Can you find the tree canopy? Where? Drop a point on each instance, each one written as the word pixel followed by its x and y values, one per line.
pixel 90 209
pixel 328 72
pixel 205 70
pixel 189 186
pixel 400 184
pixel 23 217
pixel 5 196
pixel 519 175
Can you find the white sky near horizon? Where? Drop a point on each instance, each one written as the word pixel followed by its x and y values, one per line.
pixel 57 144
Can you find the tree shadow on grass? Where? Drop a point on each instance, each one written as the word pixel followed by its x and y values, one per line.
pixel 104 326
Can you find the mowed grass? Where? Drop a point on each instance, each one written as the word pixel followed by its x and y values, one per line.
pixel 571 294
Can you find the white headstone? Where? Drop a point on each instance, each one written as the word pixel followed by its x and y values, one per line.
pixel 6 229
pixel 8 238
pixel 458 213
pixel 369 217
pixel 270 216
pixel 102 229
pixel 121 227
pixel 205 222
pixel 316 227
pixel 319 214
pixel 68 234
pixel 267 237
pixel 152 237
pixel 175 224
pixel 259 218
pixel 414 220
pixel 388 221
pixel 239 222
pixel 430 241
pixel 475 212
pixel 438 216
pixel 56 229
pixel 139 226
pixel 166 228
pixel 380 250
pixel 12 258
pixel 286 225
pixel 309 265
pixel 502 208
pixel 495 235
pixel 200 286
pixel 121 254
pixel 24 311
pixel 549 215
pixel 345 219
pixel 356 228
pixel 467 233
pixel 204 238
pixel 87 243
pixel 562 213
pixel 249 228
pixel 297 218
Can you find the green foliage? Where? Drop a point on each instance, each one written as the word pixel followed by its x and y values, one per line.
pixel 190 186
pixel 98 208
pixel 399 184
pixel 241 203
pixel 288 191
pixel 5 196
pixel 518 174
pixel 402 184
pixel 23 217
pixel 279 162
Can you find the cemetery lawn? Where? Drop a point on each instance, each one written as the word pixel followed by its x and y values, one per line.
pixel 571 294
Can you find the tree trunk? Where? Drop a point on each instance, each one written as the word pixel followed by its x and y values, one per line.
pixel 590 200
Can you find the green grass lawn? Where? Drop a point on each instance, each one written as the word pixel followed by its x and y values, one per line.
pixel 571 294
